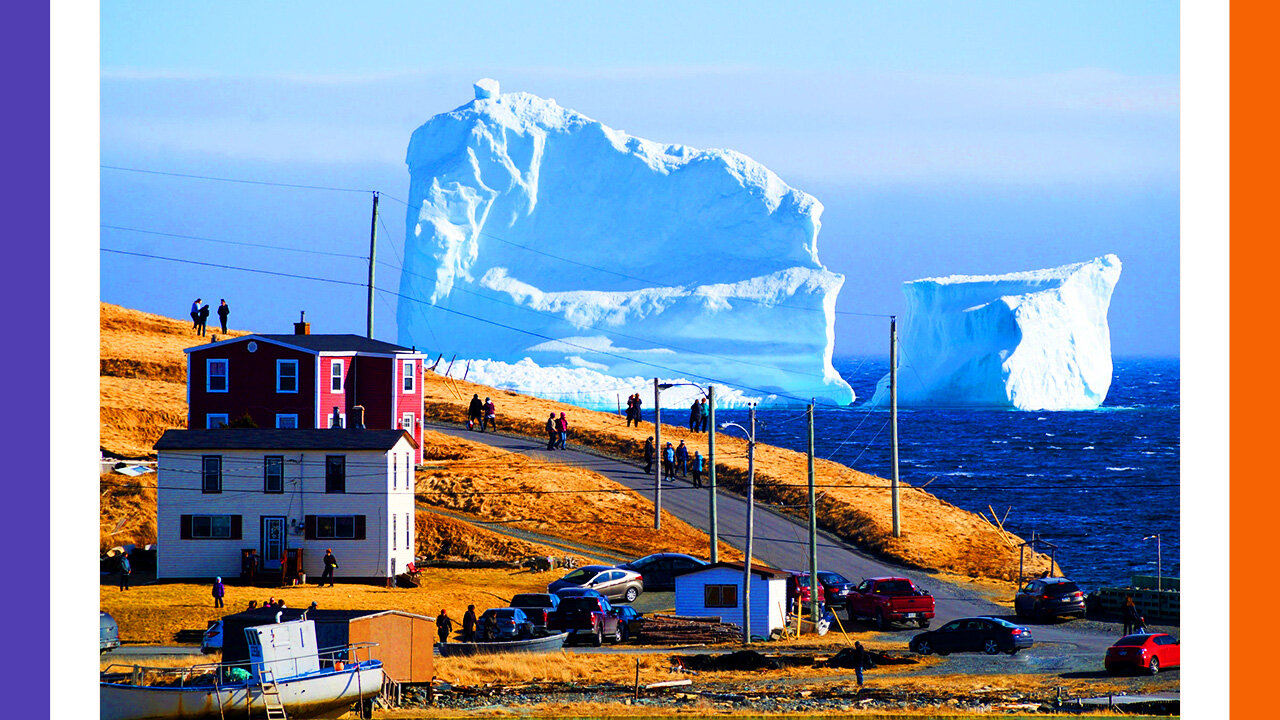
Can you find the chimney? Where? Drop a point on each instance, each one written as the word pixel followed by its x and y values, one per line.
pixel 336 424
pixel 357 417
pixel 302 327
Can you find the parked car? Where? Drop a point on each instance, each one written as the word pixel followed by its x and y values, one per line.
pixel 108 633
pixel 889 599
pixel 614 583
pixel 836 587
pixel 537 606
pixel 985 634
pixel 626 616
pixel 211 641
pixel 1143 652
pixel 1044 598
pixel 798 589
pixel 568 592
pixel 659 570
pixel 504 624
pixel 588 617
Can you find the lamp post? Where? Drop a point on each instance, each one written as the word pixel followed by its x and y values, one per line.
pixel 751 506
pixel 1159 567
pixel 710 394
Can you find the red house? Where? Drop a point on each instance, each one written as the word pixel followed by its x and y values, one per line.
pixel 302 380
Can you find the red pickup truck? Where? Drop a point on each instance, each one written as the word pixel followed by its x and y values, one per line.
pixel 587 616
pixel 890 599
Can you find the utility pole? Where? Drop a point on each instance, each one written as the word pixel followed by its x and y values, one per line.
pixel 893 417
pixel 813 529
pixel 373 256
pixel 657 446
pixel 711 471
pixel 751 520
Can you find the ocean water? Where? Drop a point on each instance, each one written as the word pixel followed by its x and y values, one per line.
pixel 1094 483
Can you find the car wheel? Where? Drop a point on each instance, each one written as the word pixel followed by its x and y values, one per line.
pixel 617 634
pixel 991 647
pixel 923 647
pixel 598 639
pixel 632 594
pixel 1155 666
pixel 881 622
pixel 924 622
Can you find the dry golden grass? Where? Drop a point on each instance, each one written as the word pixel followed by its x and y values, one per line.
pixel 134 412
pixel 445 538
pixel 127 510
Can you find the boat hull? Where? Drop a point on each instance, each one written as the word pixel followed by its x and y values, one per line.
pixel 316 695
pixel 550 643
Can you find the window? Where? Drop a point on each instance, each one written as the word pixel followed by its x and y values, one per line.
pixel 216 420
pixel 407 527
pixel 288 421
pixel 342 420
pixel 408 376
pixel 395 472
pixel 335 473
pixel 335 375
pixel 273 474
pixel 720 596
pixel 210 527
pixel 286 376
pixel 211 473
pixel 334 527
pixel 406 423
pixel 395 519
pixel 215 375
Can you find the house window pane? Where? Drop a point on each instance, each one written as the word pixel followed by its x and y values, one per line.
pixel 394 522
pixel 216 376
pixel 344 527
pixel 324 526
pixel 335 474
pixel 220 526
pixel 200 526
pixel 287 376
pixel 289 421
pixel 335 376
pixel 273 474
pixel 408 376
pixel 211 473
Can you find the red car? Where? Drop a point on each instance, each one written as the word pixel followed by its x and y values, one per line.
pixel 1146 652
pixel 798 589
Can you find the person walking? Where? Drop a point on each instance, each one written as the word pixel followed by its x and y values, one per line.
pixel 648 456
pixel 860 660
pixel 219 590
pixel 697 469
pixel 562 427
pixel 695 416
pixel 668 460
pixel 1130 613
pixel 682 459
pixel 223 311
pixel 552 435
pixel 706 416
pixel 639 404
pixel 474 412
pixel 125 571
pixel 203 320
pixel 195 314
pixel 444 626
pixel 469 624
pixel 490 415
pixel 330 564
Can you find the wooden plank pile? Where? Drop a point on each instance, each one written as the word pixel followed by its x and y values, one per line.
pixel 672 630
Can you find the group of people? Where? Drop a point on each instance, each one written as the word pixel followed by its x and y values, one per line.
pixel 699 416
pixel 633 410
pixel 557 432
pixel 483 414
pixel 200 316
pixel 674 458
pixel 272 603
pixel 444 625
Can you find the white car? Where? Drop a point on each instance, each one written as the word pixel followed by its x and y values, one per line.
pixel 212 640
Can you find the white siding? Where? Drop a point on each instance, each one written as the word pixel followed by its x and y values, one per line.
pixel 368 493
pixel 768 598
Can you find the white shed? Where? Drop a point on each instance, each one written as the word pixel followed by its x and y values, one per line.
pixel 717 590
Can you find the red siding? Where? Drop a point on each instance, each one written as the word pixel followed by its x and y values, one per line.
pixel 410 402
pixel 330 399
pixel 252 385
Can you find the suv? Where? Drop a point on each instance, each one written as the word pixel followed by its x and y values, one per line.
pixel 108 633
pixel 1044 598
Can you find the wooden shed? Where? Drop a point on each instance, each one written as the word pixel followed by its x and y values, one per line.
pixel 405 641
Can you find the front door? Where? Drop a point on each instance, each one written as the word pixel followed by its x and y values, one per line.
pixel 272 541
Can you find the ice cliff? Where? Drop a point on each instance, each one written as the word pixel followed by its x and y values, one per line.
pixel 536 232
pixel 1033 340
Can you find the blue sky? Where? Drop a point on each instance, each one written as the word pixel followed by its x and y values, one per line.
pixel 941 137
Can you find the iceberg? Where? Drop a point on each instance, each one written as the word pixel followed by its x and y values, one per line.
pixel 1033 340
pixel 534 232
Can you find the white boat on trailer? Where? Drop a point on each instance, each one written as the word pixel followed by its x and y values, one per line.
pixel 287 677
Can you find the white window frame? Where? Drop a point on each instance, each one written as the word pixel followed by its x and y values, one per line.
pixel 296 379
pixel 394 522
pixel 267 461
pixel 208 375
pixel 284 416
pixel 213 535
pixel 409 376
pixel 334 519
pixel 407 427
pixel 211 420
pixel 395 471
pixel 336 364
pixel 408 536
pixel 341 416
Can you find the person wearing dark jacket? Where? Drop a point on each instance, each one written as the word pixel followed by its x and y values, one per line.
pixel 1131 619
pixel 444 626
pixel 125 571
pixel 219 590
pixel 474 412
pixel 695 416
pixel 552 436
pixel 648 456
pixel 223 311
pixel 860 660
pixel 668 461
pixel 203 322
pixel 682 459
pixel 490 416
pixel 469 624
pixel 330 564
pixel 695 464
pixel 562 427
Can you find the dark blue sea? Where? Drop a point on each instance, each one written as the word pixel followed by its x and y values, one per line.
pixel 1094 483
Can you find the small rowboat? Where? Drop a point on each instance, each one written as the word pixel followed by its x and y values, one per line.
pixel 550 643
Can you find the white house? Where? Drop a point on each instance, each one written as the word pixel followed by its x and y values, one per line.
pixel 717 590
pixel 222 492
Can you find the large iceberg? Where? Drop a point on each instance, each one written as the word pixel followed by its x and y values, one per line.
pixel 536 232
pixel 1033 340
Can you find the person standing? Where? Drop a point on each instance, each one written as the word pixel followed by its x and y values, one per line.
pixel 474 412
pixel 631 409
pixel 668 460
pixel 860 660
pixel 639 404
pixel 695 416
pixel 552 435
pixel 223 311
pixel 203 320
pixel 697 468
pixel 195 314
pixel 648 456
pixel 219 590
pixel 490 415
pixel 125 571
pixel 1130 613
pixel 330 564
pixel 562 427
pixel 444 626
pixel 682 459
pixel 469 624
pixel 706 416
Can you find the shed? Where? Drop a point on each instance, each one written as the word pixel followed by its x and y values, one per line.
pixel 717 590
pixel 405 641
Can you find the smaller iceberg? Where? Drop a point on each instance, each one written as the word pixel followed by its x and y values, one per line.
pixel 1033 340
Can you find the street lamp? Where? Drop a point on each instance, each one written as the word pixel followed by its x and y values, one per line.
pixel 1159 568
pixel 710 394
pixel 751 507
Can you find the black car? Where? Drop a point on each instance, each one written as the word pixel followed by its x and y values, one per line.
pixel 976 634
pixel 835 587
pixel 659 570
pixel 1049 597
pixel 626 616
pixel 504 624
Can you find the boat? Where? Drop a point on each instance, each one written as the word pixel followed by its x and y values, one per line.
pixel 286 672
pixel 548 643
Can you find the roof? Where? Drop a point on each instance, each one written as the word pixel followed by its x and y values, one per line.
pixel 281 439
pixel 319 343
pixel 764 572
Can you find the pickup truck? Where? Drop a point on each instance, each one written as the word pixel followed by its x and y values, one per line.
pixel 586 616
pixel 889 599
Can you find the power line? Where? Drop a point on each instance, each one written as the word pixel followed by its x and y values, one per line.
pixel 234 180
pixel 234 242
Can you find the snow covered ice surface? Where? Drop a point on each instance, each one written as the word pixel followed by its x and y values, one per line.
pixel 537 233
pixel 1033 340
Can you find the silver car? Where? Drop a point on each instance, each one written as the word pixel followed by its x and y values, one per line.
pixel 611 582
pixel 108 633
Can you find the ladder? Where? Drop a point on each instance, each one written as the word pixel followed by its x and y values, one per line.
pixel 271 695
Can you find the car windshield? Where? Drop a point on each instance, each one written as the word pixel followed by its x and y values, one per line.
pixel 537 600
pixel 580 603
pixel 502 614
pixel 1133 641
pixel 580 576
pixel 894 587
pixel 1062 588
pixel 998 621
pixel 832 578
